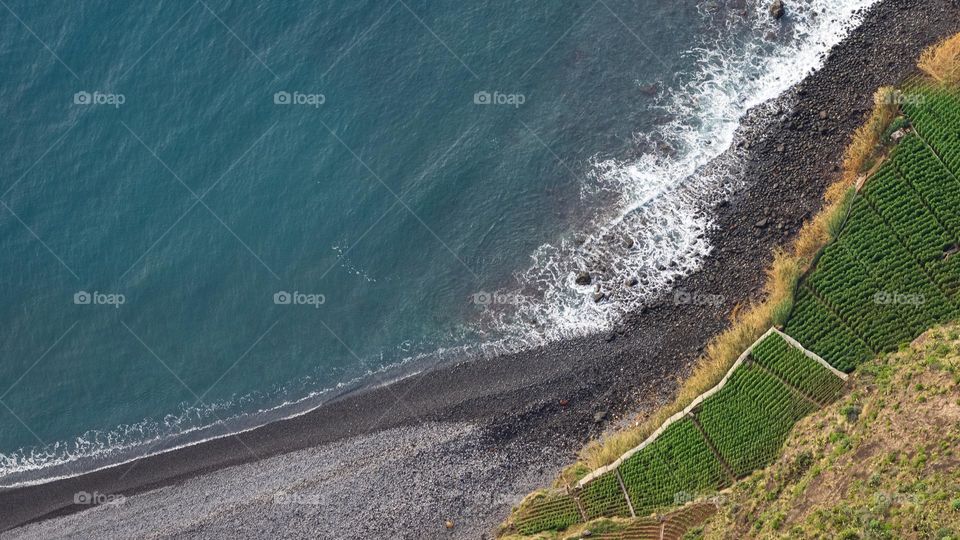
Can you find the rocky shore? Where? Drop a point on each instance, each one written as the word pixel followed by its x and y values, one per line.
pixel 444 454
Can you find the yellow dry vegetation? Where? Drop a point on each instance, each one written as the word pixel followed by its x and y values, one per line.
pixel 942 61
pixel 867 137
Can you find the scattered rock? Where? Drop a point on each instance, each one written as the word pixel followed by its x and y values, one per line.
pixel 777 9
pixel 449 524
pixel 598 297
pixel 762 223
pixel 583 278
pixel 627 241
pixel 823 115
pixel 950 251
pixel 631 281
pixel 599 416
pixel 564 402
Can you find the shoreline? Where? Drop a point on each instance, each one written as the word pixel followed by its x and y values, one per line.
pixel 514 400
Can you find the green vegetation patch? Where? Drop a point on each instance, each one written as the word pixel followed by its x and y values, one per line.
pixel 750 418
pixel 821 331
pixel 674 469
pixel 796 369
pixel 603 498
pixel 892 273
pixel 548 511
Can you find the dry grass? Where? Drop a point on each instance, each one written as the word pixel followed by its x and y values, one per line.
pixel 867 137
pixel 942 61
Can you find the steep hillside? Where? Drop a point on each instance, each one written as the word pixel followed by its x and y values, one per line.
pixel 882 462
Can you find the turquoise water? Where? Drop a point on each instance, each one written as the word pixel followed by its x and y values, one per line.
pixel 171 171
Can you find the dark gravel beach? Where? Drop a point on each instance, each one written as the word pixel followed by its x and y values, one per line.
pixel 464 442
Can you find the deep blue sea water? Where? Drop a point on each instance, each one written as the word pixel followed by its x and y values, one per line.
pixel 217 208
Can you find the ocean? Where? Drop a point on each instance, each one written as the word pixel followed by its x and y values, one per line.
pixel 215 214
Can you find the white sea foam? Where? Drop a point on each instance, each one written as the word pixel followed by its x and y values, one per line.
pixel 660 202
pixel 96 450
pixel 663 196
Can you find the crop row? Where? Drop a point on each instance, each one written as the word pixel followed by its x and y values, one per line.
pixel 603 498
pixel 819 330
pixel 921 229
pixel 907 214
pixel 843 285
pixel 920 168
pixel 679 463
pixel 749 420
pixel 550 511
pixel 869 239
pixel 934 115
pixel 796 369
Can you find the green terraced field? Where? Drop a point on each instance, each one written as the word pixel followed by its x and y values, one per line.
pixel 548 512
pixel 750 418
pixel 679 462
pixel 891 273
pixel 732 432
pixel 786 362
pixel 821 331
